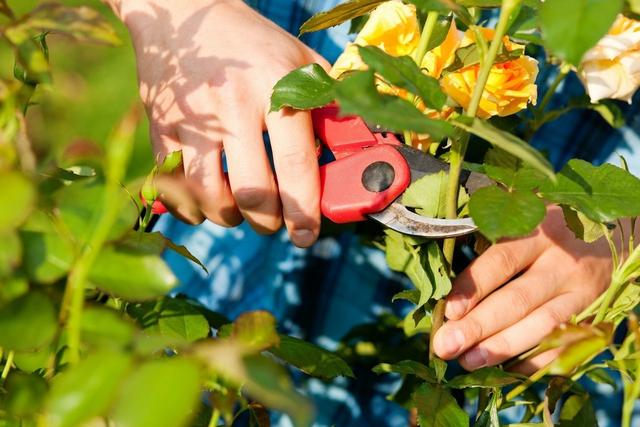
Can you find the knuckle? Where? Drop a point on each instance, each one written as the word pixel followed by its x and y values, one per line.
pixel 553 317
pixel 506 261
pixel 520 301
pixel 296 160
pixel 252 197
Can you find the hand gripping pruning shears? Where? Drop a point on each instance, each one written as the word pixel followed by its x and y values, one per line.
pixel 370 173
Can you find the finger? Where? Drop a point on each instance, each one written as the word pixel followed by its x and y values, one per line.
pixel 252 183
pixel 523 335
pixel 498 311
pixel 202 160
pixel 491 270
pixel 536 363
pixel 296 164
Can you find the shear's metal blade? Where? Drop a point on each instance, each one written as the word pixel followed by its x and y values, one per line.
pixel 399 218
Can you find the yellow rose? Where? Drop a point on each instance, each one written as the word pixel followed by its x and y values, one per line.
pixel 611 70
pixel 511 85
pixel 392 26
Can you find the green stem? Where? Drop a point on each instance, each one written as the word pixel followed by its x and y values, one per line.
pixel 7 366
pixel 425 37
pixel 118 154
pixel 418 56
pixel 525 385
pixel 437 320
pixel 562 74
pixel 619 278
pixel 215 418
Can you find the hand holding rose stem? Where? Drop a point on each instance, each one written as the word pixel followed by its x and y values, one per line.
pixel 459 147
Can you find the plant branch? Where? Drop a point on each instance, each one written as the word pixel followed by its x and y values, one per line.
pixel 118 153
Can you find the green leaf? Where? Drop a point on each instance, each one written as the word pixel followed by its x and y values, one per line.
pixel 79 206
pixel 10 252
pixel 306 88
pixel 578 411
pixel 17 201
pixel 155 243
pixel 47 256
pixel 583 228
pixel 437 408
pixel 413 296
pixel 139 276
pixel 81 23
pixel 428 195
pixel 499 213
pixel 485 378
pixel 602 193
pixel 256 330
pixel 260 377
pixel 25 393
pixel 86 390
pixel 509 170
pixel 407 367
pixel 507 142
pixel 357 95
pixel 404 73
pixel 610 112
pixel 168 389
pixel 576 354
pixel 27 323
pixel 104 328
pixel 341 13
pixel 571 27
pixel 311 359
pixel 172 318
pixel 424 265
pixel 602 376
pixel 470 55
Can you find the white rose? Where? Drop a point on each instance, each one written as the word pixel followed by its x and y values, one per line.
pixel 611 70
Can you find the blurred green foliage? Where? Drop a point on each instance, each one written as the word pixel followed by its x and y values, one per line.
pixel 94 86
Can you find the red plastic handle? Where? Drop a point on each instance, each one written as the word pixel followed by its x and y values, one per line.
pixel 368 173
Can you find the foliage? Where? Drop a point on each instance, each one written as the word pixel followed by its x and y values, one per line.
pixel 401 93
pixel 87 331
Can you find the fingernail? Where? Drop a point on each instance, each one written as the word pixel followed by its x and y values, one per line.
pixel 450 343
pixel 456 307
pixel 476 358
pixel 303 238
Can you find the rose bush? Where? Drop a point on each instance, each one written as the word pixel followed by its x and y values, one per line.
pixel 89 337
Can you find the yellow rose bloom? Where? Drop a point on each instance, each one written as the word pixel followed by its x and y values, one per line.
pixel 611 70
pixel 510 88
pixel 393 27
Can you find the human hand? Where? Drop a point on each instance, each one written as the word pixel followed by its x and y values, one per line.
pixel 518 291
pixel 206 71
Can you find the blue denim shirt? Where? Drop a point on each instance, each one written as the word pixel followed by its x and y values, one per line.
pixel 321 293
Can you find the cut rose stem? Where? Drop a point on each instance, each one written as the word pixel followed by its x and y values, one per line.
pixel 459 147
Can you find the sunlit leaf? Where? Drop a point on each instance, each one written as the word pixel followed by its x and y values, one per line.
pixel 437 408
pixel 171 318
pixel 256 329
pixel 571 27
pixel 17 201
pixel 485 378
pixel 139 276
pixel 87 389
pixel 167 388
pixel 596 191
pixel 404 73
pixel 28 322
pixel 341 13
pixel 407 367
pixel 311 359
pixel 357 95
pixel 306 88
pixel 499 213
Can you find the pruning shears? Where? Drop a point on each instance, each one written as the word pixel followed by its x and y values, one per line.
pixel 370 173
